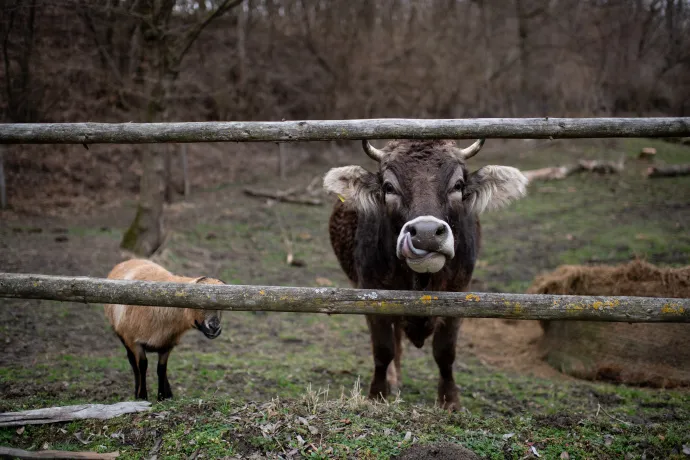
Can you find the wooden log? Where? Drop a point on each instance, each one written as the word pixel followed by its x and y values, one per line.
pixel 283 196
pixel 561 172
pixel 67 413
pixel 647 153
pixel 9 452
pixel 344 301
pixel 668 170
pixel 322 130
pixel 552 173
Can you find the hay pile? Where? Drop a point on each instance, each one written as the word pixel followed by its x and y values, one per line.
pixel 655 355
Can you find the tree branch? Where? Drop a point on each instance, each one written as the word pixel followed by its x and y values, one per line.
pixel 193 34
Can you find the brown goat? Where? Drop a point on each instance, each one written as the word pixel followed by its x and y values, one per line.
pixel 158 329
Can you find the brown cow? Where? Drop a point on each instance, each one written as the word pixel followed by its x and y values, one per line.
pixel 413 225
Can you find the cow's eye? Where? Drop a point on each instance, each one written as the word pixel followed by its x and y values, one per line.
pixel 388 188
pixel 458 186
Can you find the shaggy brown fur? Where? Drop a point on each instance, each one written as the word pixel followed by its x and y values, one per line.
pixel 159 329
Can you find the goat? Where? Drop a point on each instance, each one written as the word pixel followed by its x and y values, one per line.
pixel 158 329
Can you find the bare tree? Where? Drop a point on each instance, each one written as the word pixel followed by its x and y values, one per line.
pixel 162 58
pixel 18 28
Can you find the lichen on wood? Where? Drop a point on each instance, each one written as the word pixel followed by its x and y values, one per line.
pixel 345 301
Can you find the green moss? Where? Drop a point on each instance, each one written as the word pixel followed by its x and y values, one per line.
pixel 131 237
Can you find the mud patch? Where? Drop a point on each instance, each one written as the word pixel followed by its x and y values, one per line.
pixel 561 421
pixel 438 452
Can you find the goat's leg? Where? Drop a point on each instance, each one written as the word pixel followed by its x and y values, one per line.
pixel 445 338
pixel 135 369
pixel 383 347
pixel 164 390
pixel 142 363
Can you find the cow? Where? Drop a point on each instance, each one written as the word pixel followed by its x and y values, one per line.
pixel 414 225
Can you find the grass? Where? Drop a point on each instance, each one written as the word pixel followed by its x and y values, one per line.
pixel 505 416
pixel 277 383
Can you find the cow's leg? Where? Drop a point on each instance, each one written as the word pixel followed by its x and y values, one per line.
pixel 394 376
pixel 383 346
pixel 445 338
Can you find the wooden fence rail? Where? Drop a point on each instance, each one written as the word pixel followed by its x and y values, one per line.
pixel 321 130
pixel 345 301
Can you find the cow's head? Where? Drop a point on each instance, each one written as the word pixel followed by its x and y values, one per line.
pixel 423 189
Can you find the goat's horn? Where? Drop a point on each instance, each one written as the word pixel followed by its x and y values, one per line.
pixel 470 151
pixel 373 152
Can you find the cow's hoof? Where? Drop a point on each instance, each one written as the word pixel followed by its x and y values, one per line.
pixel 448 396
pixel 396 387
pixel 451 406
pixel 379 391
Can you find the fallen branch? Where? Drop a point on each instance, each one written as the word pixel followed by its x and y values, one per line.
pixel 561 172
pixel 68 413
pixel 9 452
pixel 668 170
pixel 555 172
pixel 284 196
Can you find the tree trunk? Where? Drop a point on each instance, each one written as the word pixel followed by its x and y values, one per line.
pixel 167 161
pixel 523 37
pixel 145 234
pixel 3 187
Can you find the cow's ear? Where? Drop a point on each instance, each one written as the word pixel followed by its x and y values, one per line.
pixel 354 185
pixel 493 187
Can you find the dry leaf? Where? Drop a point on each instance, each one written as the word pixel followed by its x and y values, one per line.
pixel 304 236
pixel 564 456
pixel 20 430
pixel 323 281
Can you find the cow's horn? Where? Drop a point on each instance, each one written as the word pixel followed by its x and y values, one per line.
pixel 373 152
pixel 470 151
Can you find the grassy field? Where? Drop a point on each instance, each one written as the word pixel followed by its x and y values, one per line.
pixel 291 385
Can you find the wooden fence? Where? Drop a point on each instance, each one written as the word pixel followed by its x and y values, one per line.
pixel 345 301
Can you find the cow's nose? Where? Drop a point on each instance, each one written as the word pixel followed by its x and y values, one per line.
pixel 428 235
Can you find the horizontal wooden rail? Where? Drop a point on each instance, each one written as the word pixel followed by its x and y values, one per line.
pixel 349 301
pixel 321 130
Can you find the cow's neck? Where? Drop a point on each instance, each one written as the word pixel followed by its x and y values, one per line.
pixel 421 281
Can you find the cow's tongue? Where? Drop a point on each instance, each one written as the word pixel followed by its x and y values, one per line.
pixel 410 252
